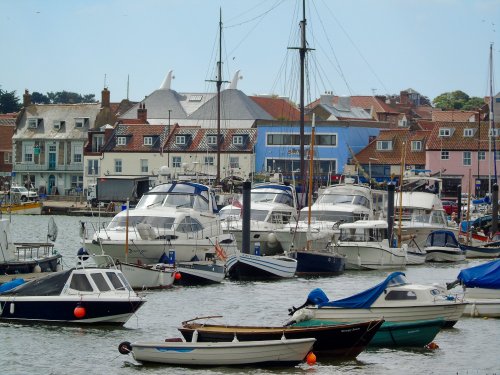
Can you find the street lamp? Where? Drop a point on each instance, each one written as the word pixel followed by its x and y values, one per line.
pixel 370 168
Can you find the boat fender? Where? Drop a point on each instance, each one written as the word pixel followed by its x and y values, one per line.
pixel 195 336
pixel 37 269
pixel 79 312
pixel 432 345
pixel 271 239
pixel 311 359
pixel 12 308
pixel 125 347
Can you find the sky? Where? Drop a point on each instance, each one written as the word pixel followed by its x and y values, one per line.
pixel 358 47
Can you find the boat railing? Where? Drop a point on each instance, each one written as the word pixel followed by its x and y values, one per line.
pixel 86 260
pixel 25 251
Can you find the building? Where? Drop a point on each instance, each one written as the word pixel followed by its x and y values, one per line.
pixel 7 127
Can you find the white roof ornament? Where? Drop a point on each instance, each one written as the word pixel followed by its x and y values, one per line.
pixel 167 81
pixel 234 83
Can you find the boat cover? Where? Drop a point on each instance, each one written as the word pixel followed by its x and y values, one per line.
pixel 442 238
pixel 365 299
pixel 50 285
pixel 485 275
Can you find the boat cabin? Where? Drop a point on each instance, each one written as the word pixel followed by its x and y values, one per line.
pixel 363 231
pixel 442 238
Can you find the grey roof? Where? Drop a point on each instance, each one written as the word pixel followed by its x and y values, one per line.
pixel 235 105
pixel 57 112
pixel 338 111
pixel 158 104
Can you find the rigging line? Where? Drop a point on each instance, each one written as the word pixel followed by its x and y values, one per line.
pixel 261 15
pixel 355 47
pixel 337 67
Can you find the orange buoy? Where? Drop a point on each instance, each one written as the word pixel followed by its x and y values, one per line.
pixel 178 275
pixel 432 346
pixel 79 312
pixel 311 358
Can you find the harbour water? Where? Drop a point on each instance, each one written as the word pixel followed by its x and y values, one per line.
pixel 472 347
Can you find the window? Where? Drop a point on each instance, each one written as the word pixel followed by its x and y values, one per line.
pixel 77 153
pixel 481 155
pixel 211 140
pixel 416 145
pixel 93 167
pixel 76 182
pixel 148 141
pixel 384 145
pixel 100 281
pixel 237 140
pixel 81 122
pixel 176 161
pixel 445 132
pixel 58 124
pixel 497 155
pixel 209 160
pixel 28 153
pixel 445 155
pixel 97 141
pixel 34 122
pixel 468 132
pixel 493 132
pixel 144 166
pixel 7 157
pixel 118 165
pixel 121 141
pixel 180 139
pixel 234 162
pixel 80 282
pixel 467 158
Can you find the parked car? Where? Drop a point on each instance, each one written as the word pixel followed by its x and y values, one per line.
pixel 20 193
pixel 450 207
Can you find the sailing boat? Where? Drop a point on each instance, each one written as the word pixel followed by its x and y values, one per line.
pixel 316 262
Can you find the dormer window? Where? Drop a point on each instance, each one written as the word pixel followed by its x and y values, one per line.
pixel 384 145
pixel 180 139
pixel 238 140
pixel 469 132
pixel 211 140
pixel 416 145
pixel 80 122
pixel 148 141
pixel 121 141
pixel 58 124
pixel 34 122
pixel 445 132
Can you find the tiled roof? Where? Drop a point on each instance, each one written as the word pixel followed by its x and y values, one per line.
pixel 135 138
pixel 426 124
pixel 394 156
pixel 457 141
pixel 279 108
pixel 454 116
pixel 424 111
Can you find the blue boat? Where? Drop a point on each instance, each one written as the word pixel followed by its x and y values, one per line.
pixel 318 263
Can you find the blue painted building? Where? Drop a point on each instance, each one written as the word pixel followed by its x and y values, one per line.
pixel 278 145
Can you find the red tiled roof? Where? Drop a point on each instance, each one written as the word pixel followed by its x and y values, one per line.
pixel 135 137
pixel 279 108
pixel 457 141
pixel 426 124
pixel 454 116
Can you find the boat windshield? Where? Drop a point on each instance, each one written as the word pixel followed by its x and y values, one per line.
pixel 233 213
pixel 346 217
pixel 398 280
pixel 175 200
pixel 119 222
pixel 363 234
pixel 258 215
pixel 268 197
pixel 358 200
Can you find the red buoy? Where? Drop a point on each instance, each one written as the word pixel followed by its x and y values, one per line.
pixel 311 358
pixel 178 276
pixel 79 312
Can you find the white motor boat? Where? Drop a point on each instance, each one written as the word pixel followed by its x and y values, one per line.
pixel 155 276
pixel 442 246
pixel 365 245
pixel 178 352
pixel 395 299
pixel 242 266
pixel 180 216
pixel 343 203
pixel 481 289
pixel 273 205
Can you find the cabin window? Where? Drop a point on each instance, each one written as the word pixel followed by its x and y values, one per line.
pixel 467 158
pixel 280 217
pixel 400 295
pixel 80 282
pixel 189 225
pixel 116 282
pixel 100 281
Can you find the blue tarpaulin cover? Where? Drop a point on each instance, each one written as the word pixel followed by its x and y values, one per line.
pixel 485 275
pixel 365 299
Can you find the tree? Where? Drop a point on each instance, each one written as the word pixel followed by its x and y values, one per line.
pixel 457 100
pixel 9 102
pixel 68 97
pixel 39 98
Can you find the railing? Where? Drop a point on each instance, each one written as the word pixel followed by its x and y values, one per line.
pixel 77 167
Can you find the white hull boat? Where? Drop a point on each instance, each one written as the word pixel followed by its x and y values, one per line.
pixel 243 266
pixel 395 299
pixel 283 352
pixel 201 272
pixel 442 246
pixel 157 276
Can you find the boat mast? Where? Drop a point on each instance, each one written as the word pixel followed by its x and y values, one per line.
pixel 219 84
pixel 492 124
pixel 311 171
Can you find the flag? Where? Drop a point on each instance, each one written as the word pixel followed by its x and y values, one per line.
pixel 221 253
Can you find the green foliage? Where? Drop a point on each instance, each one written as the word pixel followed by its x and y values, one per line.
pixel 67 97
pixel 9 102
pixel 457 100
pixel 39 98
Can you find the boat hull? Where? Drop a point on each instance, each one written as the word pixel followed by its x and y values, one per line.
pixel 443 255
pixel 62 309
pixel 318 263
pixel 144 277
pixel 46 264
pixel 407 334
pixel 200 273
pixel 482 308
pixel 28 208
pixel 250 267
pixel 223 353
pixel 371 256
pixel 481 251
pixel 332 341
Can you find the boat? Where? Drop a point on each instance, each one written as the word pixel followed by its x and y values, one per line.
pixel 242 266
pixel 82 295
pixel 177 352
pixel 488 250
pixel 396 334
pixel 154 276
pixel 25 208
pixel 481 285
pixel 202 272
pixel 332 341
pixel 177 215
pixel 442 246
pixel 365 245
pixel 273 206
pixel 24 257
pixel 313 262
pixel 395 299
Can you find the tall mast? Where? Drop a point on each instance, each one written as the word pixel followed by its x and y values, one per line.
pixel 492 121
pixel 219 84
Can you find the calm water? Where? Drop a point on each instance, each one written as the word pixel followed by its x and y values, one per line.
pixel 472 347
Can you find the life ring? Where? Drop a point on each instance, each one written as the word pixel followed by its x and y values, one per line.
pixel 125 347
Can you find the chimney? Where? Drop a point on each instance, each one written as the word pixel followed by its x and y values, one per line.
pixel 142 113
pixel 26 98
pixel 108 132
pixel 404 99
pixel 326 98
pixel 105 98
